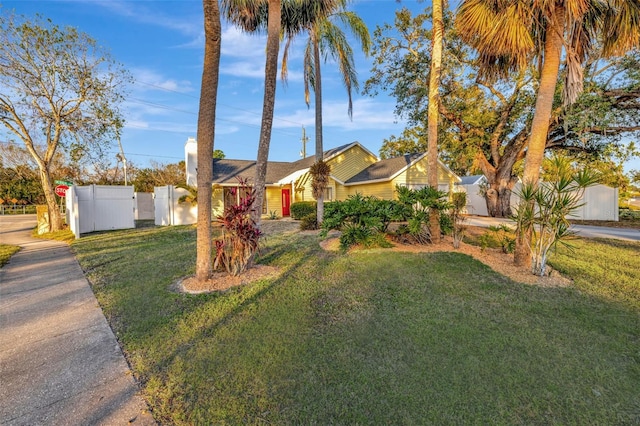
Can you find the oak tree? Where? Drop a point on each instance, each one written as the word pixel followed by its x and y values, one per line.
pixel 59 91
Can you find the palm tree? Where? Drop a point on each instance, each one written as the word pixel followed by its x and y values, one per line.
pixel 432 112
pixel 509 34
pixel 205 136
pixel 328 39
pixel 290 16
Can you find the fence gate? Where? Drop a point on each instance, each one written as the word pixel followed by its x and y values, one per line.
pixel 100 208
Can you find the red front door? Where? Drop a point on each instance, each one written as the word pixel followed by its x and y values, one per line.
pixel 286 202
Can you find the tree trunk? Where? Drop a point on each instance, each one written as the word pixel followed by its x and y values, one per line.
pixel 318 129
pixel 498 201
pixel 55 217
pixel 206 136
pixel 270 76
pixel 544 104
pixel 499 196
pixel 432 113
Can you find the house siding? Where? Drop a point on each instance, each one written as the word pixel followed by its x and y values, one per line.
pixel 383 190
pixel 274 200
pixel 350 163
pixel 417 175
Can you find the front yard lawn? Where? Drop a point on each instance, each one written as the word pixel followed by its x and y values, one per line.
pixel 373 337
pixel 6 251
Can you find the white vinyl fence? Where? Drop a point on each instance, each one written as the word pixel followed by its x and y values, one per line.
pixel 144 206
pixel 168 211
pixel 600 202
pixel 99 208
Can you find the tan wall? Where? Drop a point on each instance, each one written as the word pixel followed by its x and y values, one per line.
pixel 306 193
pixel 383 190
pixel 350 163
pixel 341 192
pixel 274 200
pixel 302 190
pixel 417 175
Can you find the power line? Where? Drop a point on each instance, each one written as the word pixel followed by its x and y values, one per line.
pixel 218 103
pixel 166 107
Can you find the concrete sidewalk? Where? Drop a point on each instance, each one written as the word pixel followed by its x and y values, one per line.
pixel 60 363
pixel 586 231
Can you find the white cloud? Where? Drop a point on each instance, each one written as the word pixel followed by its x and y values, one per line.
pixel 239 44
pixel 147 79
pixel 136 11
pixel 240 69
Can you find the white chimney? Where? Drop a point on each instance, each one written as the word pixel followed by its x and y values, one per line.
pixel 191 160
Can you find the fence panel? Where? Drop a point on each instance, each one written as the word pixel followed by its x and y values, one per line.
pixel 601 202
pixel 100 208
pixel 168 211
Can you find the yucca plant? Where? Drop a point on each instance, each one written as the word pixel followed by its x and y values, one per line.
pixel 544 210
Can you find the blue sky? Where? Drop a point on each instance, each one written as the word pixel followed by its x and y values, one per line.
pixel 161 44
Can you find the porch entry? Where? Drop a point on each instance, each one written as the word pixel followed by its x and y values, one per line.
pixel 286 202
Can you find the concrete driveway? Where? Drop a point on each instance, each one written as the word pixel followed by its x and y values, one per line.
pixel 60 363
pixel 626 234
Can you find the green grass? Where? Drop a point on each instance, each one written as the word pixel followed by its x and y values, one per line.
pixel 65 235
pixel 6 251
pixel 372 337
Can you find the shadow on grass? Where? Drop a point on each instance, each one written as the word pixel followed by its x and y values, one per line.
pixel 369 338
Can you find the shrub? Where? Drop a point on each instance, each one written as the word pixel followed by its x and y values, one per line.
pixel 419 202
pixel 240 239
pixel 309 222
pixel 361 219
pixel 446 223
pixel 628 214
pixel 301 209
pixel 501 236
pixel 361 234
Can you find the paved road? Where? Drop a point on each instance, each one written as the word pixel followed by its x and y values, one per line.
pixel 626 234
pixel 60 363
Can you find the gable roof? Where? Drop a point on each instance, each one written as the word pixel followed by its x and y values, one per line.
pixel 384 169
pixel 388 169
pixel 471 180
pixel 225 171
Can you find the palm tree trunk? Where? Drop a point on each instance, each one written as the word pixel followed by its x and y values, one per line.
pixel 432 113
pixel 540 124
pixel 206 135
pixel 270 76
pixel 319 141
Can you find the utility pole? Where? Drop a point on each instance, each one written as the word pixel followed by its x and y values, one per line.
pixel 122 158
pixel 304 140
